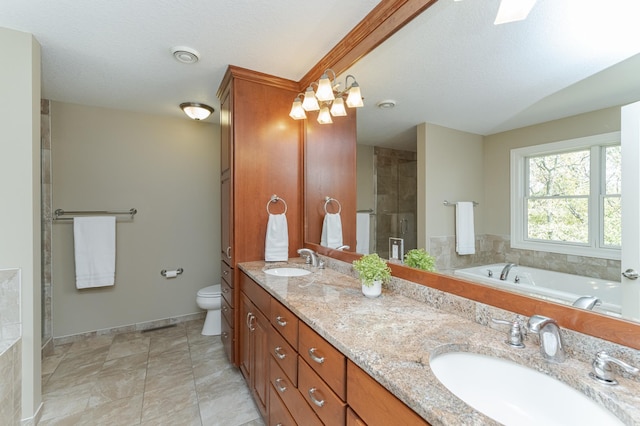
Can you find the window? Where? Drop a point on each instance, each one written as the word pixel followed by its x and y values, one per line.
pixel 566 197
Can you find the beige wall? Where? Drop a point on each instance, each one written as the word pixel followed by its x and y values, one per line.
pixel 365 178
pixel 450 167
pixel 168 168
pixel 497 150
pixel 20 193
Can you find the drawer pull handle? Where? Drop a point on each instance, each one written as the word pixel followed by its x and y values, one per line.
pixel 281 321
pixel 225 273
pixel 228 252
pixel 312 395
pixel 280 386
pixel 278 353
pixel 250 319
pixel 225 335
pixel 225 290
pixel 316 358
pixel 224 309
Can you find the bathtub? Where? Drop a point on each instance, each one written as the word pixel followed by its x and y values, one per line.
pixel 554 286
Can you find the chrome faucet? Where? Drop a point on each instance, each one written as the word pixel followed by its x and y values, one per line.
pixel 505 270
pixel 602 371
pixel 310 256
pixel 587 302
pixel 343 247
pixel 551 346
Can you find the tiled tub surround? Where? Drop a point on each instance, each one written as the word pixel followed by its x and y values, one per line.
pixel 10 347
pixel 393 337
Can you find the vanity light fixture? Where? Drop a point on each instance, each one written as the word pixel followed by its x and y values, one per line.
pixel 328 99
pixel 196 111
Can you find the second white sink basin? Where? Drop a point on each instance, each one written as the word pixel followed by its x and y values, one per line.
pixel 287 272
pixel 516 395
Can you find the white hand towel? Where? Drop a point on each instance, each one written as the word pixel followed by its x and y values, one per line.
pixel 331 231
pixel 276 247
pixel 363 224
pixel 465 234
pixel 94 240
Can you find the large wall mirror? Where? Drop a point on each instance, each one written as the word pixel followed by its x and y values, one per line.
pixel 468 92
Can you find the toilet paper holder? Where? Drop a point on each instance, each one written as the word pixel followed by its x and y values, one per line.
pixel 171 274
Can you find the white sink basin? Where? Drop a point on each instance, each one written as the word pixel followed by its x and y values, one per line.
pixel 516 395
pixel 287 272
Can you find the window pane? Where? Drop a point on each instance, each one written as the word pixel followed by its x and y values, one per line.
pixel 558 219
pixel 559 174
pixel 612 221
pixel 613 170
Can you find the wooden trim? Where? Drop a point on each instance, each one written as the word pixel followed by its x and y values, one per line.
pixel 380 24
pixel 234 72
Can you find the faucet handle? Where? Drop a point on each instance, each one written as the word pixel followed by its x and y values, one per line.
pixel 602 371
pixel 515 334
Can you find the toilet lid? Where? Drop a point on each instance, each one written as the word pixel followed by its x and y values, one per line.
pixel 211 291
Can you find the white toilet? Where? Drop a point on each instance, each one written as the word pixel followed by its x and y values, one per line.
pixel 209 298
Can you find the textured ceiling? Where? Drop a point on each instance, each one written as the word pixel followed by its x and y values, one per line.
pixel 450 66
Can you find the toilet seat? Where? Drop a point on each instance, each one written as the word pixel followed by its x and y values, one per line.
pixel 211 291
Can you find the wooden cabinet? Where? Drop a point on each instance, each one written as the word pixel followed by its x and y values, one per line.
pixel 324 359
pixel 254 356
pixel 260 155
pixel 374 404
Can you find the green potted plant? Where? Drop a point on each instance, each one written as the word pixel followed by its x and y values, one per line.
pixel 373 272
pixel 420 259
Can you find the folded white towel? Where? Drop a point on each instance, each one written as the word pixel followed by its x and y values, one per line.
pixel 331 231
pixel 465 234
pixel 363 226
pixel 276 246
pixel 94 241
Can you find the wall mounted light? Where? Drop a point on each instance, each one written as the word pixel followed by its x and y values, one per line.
pixel 196 111
pixel 328 99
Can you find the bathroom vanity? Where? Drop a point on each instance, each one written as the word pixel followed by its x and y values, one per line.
pixel 315 351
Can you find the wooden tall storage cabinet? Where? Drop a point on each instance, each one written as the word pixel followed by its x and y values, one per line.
pixel 260 155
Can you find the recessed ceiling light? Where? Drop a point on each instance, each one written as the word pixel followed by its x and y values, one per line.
pixel 386 104
pixel 186 55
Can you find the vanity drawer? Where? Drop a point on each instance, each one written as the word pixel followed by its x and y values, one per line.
pixel 258 295
pixel 325 360
pixel 374 404
pixel 226 336
pixel 227 273
pixel 227 292
pixel 278 413
pixel 327 405
pixel 292 398
pixel 227 311
pixel 285 322
pixel 284 355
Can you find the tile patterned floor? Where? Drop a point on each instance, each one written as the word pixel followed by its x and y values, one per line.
pixel 173 376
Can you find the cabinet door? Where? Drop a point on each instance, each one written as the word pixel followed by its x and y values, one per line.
pixel 260 361
pixel 246 320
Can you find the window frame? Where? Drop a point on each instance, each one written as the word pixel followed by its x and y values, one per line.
pixel 518 202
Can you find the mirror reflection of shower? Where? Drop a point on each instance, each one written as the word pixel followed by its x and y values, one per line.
pixel 393 178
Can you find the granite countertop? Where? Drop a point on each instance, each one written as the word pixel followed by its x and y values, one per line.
pixel 392 338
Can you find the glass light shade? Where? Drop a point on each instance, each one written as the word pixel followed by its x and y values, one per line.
pixel 325 91
pixel 513 10
pixel 196 111
pixel 323 116
pixel 337 108
pixel 297 112
pixel 310 103
pixel 354 100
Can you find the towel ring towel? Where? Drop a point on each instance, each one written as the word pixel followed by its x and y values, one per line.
pixel 274 199
pixel 328 200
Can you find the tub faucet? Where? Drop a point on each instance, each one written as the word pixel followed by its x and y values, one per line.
pixel 505 270
pixel 310 256
pixel 551 346
pixel 587 302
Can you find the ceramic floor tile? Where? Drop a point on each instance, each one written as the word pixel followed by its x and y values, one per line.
pixel 171 376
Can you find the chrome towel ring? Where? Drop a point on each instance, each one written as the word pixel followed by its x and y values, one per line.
pixel 327 200
pixel 274 199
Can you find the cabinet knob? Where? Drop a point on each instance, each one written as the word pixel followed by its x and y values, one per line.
pixel 312 396
pixel 316 358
